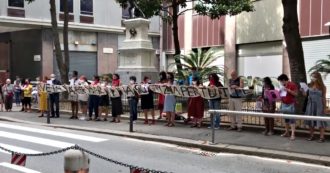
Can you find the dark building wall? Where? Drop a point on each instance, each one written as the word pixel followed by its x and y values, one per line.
pixel 4 51
pixel 24 46
pixel 4 55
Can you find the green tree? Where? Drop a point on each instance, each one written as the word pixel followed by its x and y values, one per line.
pixel 62 62
pixel 203 61
pixel 169 12
pixel 322 66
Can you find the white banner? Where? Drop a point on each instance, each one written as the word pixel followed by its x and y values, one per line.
pixel 135 90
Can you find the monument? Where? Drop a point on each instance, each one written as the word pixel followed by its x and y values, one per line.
pixel 136 55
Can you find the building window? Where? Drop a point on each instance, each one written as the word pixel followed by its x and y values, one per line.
pixel 70 5
pixel 16 3
pixel 86 7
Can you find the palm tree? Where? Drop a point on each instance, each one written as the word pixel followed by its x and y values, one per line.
pixel 322 66
pixel 203 61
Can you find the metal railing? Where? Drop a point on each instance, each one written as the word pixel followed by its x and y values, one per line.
pixel 262 115
pixel 249 105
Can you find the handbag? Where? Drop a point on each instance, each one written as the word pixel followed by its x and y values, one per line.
pixel 178 107
pixel 287 108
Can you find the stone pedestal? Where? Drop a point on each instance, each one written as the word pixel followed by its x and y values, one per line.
pixel 137 56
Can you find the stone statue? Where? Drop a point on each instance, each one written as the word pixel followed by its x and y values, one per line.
pixel 133 8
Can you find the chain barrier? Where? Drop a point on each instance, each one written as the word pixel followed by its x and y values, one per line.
pixel 76 147
pixel 39 154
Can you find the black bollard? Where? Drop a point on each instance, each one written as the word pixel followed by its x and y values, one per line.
pixel 130 123
pixel 48 111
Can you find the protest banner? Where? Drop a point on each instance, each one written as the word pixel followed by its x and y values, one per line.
pixel 132 90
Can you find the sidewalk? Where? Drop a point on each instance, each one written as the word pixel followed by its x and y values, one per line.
pixel 248 141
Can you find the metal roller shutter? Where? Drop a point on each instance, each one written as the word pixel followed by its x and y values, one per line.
pixel 260 59
pixel 83 62
pixel 315 50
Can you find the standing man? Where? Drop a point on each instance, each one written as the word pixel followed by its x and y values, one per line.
pixel 235 100
pixel 94 101
pixel 288 92
pixel 17 90
pixel 73 97
pixel 54 98
pixel 133 100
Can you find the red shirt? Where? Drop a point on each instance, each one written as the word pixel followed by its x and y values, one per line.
pixel 115 82
pixel 289 98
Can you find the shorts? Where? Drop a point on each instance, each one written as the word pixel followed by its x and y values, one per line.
pixel 288 109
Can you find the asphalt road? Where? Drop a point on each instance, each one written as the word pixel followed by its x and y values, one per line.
pixel 152 155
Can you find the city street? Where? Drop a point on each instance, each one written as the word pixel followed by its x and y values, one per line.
pixel 152 155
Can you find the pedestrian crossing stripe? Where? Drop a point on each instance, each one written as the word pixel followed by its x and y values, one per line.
pixel 53 133
pixel 18 149
pixel 36 140
pixel 18 168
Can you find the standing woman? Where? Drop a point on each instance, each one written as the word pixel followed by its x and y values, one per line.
pixel 73 97
pixel 161 97
pixel 147 101
pixel 316 105
pixel 196 106
pixel 116 103
pixel 8 95
pixel 43 106
pixel 169 102
pixel 268 106
pixel 105 100
pixel 27 90
pixel 22 83
pixel 215 103
pixel 83 98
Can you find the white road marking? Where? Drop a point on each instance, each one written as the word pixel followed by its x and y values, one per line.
pixel 53 133
pixel 18 168
pixel 18 149
pixel 36 140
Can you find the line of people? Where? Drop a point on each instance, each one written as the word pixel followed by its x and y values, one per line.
pixel 99 106
pixel 20 92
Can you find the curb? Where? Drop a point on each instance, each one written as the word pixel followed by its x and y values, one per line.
pixel 203 145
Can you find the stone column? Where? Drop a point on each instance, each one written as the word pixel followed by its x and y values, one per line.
pixel 230 45
pixel 136 55
pixel 47 53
